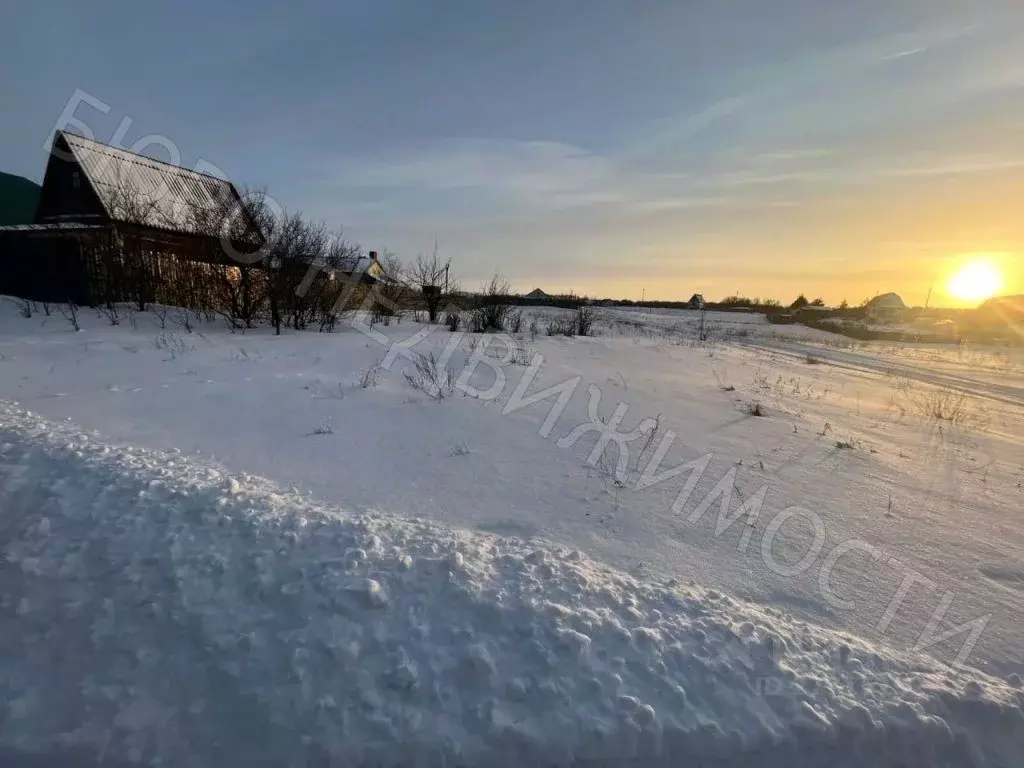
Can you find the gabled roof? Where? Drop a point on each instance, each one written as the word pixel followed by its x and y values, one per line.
pixel 162 195
pixel 537 293
pixel 887 301
pixel 358 264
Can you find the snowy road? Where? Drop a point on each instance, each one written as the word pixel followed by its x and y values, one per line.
pixel 1009 392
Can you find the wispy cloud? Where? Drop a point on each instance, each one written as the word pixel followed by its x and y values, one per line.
pixel 517 171
pixel 517 175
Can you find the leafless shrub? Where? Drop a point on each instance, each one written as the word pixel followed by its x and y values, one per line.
pixel 703 329
pixel 24 307
pixel 323 429
pixel 429 378
pixel 70 312
pixel 328 320
pixel 812 359
pixel 493 311
pixel 723 381
pixel 902 384
pixel 515 321
pixel 172 344
pixel 453 320
pixel 520 354
pixel 160 312
pixel 231 322
pixel 309 275
pixel 370 377
pixel 534 328
pixel 183 320
pixel 584 320
pixel 113 315
pixel 942 405
pixel 240 290
pixel 649 438
pixel 754 408
pixel 562 326
pixel 46 308
pixel 382 314
pixel 845 445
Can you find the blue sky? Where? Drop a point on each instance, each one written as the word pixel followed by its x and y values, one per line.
pixel 613 148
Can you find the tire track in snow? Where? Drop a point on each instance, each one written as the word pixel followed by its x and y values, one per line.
pixel 1008 394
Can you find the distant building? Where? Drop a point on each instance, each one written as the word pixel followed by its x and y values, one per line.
pixel 537 295
pixel 812 313
pixel 112 225
pixel 887 308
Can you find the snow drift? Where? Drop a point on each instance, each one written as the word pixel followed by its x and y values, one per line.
pixel 156 610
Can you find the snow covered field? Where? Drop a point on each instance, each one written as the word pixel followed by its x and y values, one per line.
pixel 297 553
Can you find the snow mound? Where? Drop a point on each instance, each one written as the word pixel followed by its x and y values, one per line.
pixel 158 610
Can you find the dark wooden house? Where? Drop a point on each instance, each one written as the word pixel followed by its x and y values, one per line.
pixel 112 225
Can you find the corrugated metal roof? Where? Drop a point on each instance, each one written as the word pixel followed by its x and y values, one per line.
pixel 138 189
pixel 359 264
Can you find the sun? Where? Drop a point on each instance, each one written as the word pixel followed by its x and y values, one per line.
pixel 977 280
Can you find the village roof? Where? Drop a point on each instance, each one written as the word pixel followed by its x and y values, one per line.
pixel 167 195
pixel 354 264
pixel 887 301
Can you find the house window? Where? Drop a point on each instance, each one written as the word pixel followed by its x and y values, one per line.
pixel 76 179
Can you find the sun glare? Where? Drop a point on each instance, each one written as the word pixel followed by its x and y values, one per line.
pixel 977 280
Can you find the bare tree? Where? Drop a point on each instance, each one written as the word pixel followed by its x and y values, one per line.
pixel 70 312
pixel 230 242
pixel 135 210
pixel 308 278
pixel 390 295
pixel 339 292
pixel 430 275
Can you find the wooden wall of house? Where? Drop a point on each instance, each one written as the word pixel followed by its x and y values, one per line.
pixel 101 266
pixel 65 196
pixel 42 268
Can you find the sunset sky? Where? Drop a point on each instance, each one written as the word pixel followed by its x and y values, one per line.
pixel 839 149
